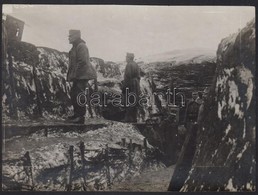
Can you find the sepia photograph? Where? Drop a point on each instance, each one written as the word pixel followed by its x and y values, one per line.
pixel 128 98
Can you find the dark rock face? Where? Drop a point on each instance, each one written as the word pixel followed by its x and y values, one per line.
pixel 225 154
pixel 51 76
pixel 39 81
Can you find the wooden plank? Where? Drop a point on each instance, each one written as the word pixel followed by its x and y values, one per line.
pixel 108 167
pixel 13 102
pixel 69 185
pixel 28 169
pixel 82 149
pixel 123 142
pixel 14 130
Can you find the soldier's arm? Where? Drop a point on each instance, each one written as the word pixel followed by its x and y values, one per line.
pixel 82 55
pixel 138 72
pixel 127 73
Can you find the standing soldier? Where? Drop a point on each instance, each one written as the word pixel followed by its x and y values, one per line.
pixel 191 113
pixel 184 163
pixel 132 83
pixel 80 71
pixel 201 109
pixel 185 158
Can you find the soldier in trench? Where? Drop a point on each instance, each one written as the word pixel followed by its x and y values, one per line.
pixel 201 113
pixel 191 113
pixel 184 162
pixel 132 83
pixel 80 72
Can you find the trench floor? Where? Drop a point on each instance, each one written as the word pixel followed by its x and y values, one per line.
pixel 148 181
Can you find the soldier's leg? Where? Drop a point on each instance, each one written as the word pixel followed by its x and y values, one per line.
pixel 80 91
pixel 131 112
pixel 89 104
pixel 73 98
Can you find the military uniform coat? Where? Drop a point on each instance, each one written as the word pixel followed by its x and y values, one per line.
pixel 132 77
pixel 191 113
pixel 80 67
pixel 132 82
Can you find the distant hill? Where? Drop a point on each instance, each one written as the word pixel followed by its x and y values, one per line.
pixel 178 57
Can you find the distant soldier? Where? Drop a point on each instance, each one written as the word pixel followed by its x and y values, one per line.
pixel 132 83
pixel 192 109
pixel 199 99
pixel 80 71
pixel 201 109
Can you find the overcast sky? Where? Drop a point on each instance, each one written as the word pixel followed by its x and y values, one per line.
pixel 111 30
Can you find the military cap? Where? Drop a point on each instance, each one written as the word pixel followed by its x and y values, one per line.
pixel 76 33
pixel 130 55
